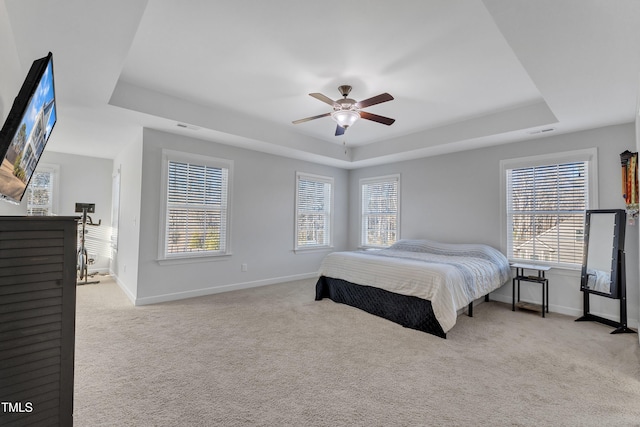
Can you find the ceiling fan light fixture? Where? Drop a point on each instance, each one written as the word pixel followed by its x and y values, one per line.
pixel 345 118
pixel 347 111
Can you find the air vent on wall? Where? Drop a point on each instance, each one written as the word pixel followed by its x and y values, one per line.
pixel 539 131
pixel 186 126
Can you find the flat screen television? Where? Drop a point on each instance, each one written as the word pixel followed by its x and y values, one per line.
pixel 27 129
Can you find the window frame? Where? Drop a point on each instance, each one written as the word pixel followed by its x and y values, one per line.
pixel 589 156
pixel 199 160
pixel 54 170
pixel 374 180
pixel 329 216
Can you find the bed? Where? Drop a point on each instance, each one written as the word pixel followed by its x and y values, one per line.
pixel 598 280
pixel 420 284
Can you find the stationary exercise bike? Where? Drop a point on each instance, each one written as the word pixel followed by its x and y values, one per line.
pixel 82 256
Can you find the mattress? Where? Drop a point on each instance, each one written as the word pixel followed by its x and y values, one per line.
pixel 450 276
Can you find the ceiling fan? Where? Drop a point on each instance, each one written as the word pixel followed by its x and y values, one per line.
pixel 346 110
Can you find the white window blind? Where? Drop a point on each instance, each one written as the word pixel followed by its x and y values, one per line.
pixel 314 197
pixel 545 212
pixel 40 194
pixel 196 217
pixel 380 211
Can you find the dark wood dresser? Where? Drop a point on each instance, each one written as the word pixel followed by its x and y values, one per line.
pixel 37 320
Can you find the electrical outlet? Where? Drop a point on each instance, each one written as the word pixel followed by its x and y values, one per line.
pixel 244 267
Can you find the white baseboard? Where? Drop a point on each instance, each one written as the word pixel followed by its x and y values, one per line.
pixel 569 311
pixel 218 289
pixel 124 288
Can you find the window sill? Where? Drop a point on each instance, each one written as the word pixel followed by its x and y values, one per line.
pixel 313 249
pixel 193 259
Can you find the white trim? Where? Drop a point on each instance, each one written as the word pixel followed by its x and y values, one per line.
pixel 124 288
pixel 202 160
pixel 219 289
pixel 193 258
pixel 372 180
pixel 116 187
pixel 319 178
pixel 589 155
pixel 313 249
pixel 383 178
pixel 54 170
pixel 563 309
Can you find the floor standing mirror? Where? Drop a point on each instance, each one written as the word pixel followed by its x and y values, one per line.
pixel 603 267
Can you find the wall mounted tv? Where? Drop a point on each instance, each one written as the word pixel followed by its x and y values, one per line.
pixel 27 129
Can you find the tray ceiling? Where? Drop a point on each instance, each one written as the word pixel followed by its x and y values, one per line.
pixel 464 74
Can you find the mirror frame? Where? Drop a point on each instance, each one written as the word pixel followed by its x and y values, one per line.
pixel 617 249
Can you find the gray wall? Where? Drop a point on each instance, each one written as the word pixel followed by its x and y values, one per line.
pixel 85 180
pixel 9 66
pixel 124 265
pixel 262 222
pixel 11 77
pixel 456 198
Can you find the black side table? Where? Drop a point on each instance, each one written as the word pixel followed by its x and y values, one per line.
pixel 538 278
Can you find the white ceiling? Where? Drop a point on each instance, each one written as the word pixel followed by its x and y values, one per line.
pixel 464 73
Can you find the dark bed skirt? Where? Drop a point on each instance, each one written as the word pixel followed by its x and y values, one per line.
pixel 408 311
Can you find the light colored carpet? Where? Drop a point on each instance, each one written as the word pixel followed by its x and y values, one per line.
pixel 273 356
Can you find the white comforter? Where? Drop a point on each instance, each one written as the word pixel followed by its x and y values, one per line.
pixel 448 275
pixel 599 280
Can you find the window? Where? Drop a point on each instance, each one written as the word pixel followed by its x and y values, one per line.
pixel 314 198
pixel 196 212
pixel 545 205
pixel 380 210
pixel 41 191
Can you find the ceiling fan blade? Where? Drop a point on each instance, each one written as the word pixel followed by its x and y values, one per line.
pixel 340 130
pixel 383 97
pixel 323 98
pixel 310 118
pixel 376 118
